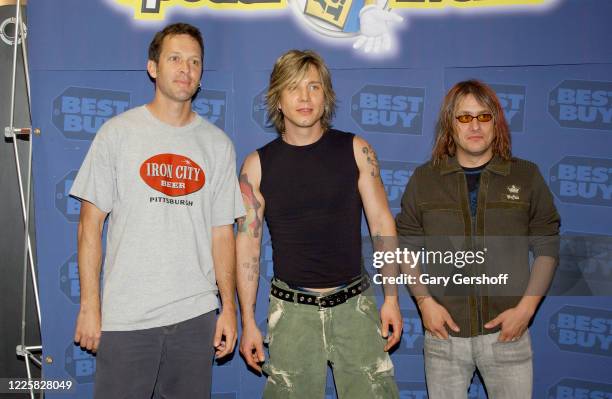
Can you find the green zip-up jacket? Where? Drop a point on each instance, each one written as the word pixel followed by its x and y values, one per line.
pixel 515 214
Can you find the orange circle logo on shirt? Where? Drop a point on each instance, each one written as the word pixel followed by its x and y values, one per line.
pixel 172 174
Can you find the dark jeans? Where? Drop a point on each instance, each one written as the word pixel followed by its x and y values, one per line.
pixel 173 361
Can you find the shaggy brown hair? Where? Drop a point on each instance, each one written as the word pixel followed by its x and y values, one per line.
pixel 445 146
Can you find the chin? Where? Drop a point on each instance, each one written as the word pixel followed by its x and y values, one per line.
pixel 184 96
pixel 303 123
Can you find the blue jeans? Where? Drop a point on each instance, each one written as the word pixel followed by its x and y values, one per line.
pixel 506 367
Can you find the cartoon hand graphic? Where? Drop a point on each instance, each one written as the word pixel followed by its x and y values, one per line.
pixel 375 21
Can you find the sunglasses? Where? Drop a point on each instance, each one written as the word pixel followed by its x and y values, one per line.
pixel 468 118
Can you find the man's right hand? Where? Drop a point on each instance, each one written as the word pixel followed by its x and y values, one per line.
pixel 251 346
pixel 87 332
pixel 435 317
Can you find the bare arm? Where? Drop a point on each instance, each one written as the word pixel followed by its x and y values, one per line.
pixel 248 249
pixel 376 207
pixel 223 249
pixel 382 230
pixel 89 236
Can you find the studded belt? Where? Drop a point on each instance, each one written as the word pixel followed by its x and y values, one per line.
pixel 326 301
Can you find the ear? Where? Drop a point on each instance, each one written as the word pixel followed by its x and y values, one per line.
pixel 152 68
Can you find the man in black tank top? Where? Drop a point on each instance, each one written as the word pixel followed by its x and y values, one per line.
pixel 311 185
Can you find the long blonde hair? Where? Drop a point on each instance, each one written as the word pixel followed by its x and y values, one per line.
pixel 288 69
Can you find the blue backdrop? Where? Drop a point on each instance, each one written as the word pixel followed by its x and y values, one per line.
pixel 549 61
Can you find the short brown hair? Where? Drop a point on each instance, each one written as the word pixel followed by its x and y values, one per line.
pixel 445 146
pixel 288 69
pixel 179 28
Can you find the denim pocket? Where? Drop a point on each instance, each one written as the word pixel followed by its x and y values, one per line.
pixel 437 347
pixel 513 351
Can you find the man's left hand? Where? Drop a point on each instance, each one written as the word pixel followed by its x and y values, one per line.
pixel 226 327
pixel 514 322
pixel 390 315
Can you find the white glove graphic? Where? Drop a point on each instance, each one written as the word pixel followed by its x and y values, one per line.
pixel 374 21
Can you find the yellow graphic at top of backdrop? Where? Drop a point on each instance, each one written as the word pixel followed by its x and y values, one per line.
pixel 331 11
pixel 155 9
pixel 459 3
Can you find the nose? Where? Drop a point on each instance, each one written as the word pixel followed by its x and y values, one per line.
pixel 304 93
pixel 184 66
pixel 475 124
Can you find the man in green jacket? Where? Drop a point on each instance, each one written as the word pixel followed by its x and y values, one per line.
pixel 474 197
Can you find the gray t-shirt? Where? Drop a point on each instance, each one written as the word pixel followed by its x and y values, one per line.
pixel 165 188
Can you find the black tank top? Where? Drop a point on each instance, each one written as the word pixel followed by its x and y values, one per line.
pixel 313 210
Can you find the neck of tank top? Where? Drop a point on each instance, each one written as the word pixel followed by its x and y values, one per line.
pixel 283 139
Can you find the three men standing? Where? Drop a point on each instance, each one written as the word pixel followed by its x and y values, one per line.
pixel 166 179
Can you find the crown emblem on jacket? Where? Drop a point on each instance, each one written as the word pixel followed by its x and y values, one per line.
pixel 513 189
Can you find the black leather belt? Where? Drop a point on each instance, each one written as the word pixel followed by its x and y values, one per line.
pixel 326 301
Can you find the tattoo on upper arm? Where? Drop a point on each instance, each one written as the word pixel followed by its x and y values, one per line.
pixel 251 223
pixel 370 154
pixel 252 268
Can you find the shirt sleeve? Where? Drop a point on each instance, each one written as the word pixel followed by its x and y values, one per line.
pixel 544 220
pixel 96 180
pixel 227 199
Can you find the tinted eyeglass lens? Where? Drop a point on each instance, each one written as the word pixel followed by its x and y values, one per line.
pixel 468 118
pixel 484 117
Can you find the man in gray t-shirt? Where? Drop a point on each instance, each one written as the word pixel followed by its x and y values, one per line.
pixel 166 179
